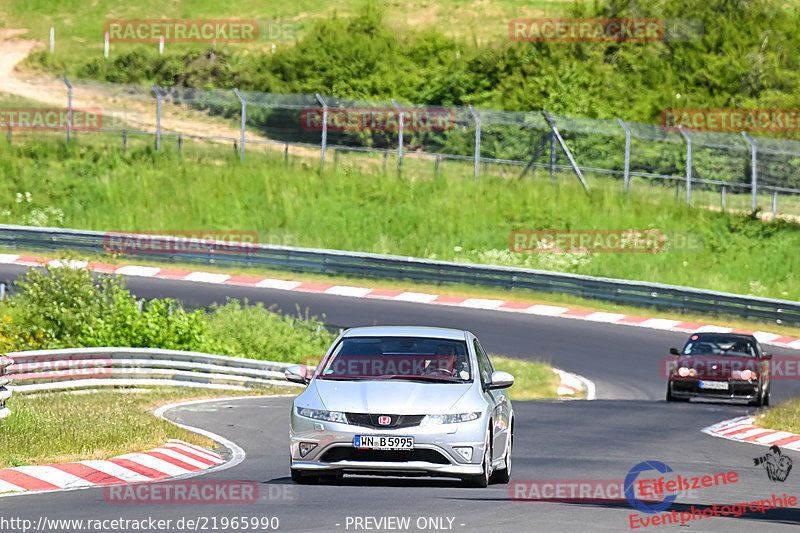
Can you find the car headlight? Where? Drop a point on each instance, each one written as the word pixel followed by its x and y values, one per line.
pixel 432 420
pixel 685 371
pixel 744 374
pixel 320 414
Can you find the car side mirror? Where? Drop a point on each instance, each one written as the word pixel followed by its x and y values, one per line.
pixel 674 351
pixel 297 374
pixel 767 355
pixel 500 380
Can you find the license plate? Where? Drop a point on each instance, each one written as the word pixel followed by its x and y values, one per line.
pixel 383 442
pixel 716 385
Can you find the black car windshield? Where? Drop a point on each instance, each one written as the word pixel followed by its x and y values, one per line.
pixel 393 358
pixel 721 345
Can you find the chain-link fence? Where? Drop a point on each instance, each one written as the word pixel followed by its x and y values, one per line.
pixel 513 144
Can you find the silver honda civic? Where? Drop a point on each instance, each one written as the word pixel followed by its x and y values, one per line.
pixel 402 401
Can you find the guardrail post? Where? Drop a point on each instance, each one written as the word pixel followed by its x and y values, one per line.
pixel 723 197
pixel 557 136
pixel 5 393
pixel 753 172
pixel 244 121
pixel 124 140
pixel 158 116
pixel 552 156
pixel 69 107
pixel 688 165
pixel 477 141
pixel 2 291
pixel 324 141
pixel 626 176
pixel 399 136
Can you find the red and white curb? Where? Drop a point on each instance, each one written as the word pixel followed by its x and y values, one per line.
pixel 742 429
pixel 572 384
pixel 175 458
pixel 405 296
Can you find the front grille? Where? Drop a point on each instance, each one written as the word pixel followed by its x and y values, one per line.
pixel 735 388
pixel 371 421
pixel 343 453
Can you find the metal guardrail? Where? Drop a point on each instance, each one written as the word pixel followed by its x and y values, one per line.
pixel 366 265
pixel 5 393
pixel 81 368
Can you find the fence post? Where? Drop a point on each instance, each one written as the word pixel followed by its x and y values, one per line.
pixel 552 156
pixel 124 140
pixel 324 141
pixel 69 107
pixel 688 165
pixel 52 39
pixel 753 171
pixel 774 205
pixel 244 121
pixel 477 141
pixel 723 197
pixel 557 135
pixel 626 176
pixel 399 136
pixel 158 116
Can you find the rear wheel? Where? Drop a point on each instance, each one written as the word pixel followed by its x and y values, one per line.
pixel 482 480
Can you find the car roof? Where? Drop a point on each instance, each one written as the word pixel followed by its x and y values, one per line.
pixel 711 334
pixel 406 331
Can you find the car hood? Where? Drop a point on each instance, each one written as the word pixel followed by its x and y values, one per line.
pixel 718 366
pixel 393 397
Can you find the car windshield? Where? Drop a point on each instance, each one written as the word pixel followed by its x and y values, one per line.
pixel 389 358
pixel 719 346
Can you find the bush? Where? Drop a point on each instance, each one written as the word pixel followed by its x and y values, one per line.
pixel 255 332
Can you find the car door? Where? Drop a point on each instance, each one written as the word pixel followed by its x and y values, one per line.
pixel 497 399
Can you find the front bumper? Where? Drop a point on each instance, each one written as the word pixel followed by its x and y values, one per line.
pixel 737 391
pixel 434 451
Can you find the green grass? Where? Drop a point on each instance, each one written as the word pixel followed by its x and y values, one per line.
pixel 532 380
pixel 79 26
pixel 784 417
pixel 63 427
pixel 451 218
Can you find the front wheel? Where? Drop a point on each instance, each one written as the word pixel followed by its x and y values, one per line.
pixel 504 475
pixel 481 480
pixel 304 479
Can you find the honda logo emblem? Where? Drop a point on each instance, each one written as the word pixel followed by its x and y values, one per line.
pixel 384 420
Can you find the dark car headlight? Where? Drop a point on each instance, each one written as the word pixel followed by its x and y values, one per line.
pixel 321 414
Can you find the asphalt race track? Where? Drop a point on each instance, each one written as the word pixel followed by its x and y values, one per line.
pixel 555 440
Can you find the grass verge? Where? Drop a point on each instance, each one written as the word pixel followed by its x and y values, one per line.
pixel 783 417
pixel 64 427
pixel 532 380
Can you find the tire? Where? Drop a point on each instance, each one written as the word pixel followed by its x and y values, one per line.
pixel 481 480
pixel 762 397
pixel 766 396
pixel 304 479
pixel 504 475
pixel 670 397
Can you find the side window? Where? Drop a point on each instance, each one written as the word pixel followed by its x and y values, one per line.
pixel 484 366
